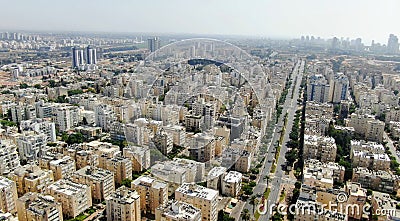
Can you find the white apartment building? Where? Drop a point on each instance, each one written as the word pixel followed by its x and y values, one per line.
pixel 139 156
pixel 30 145
pixel 65 117
pixel 8 156
pixel 320 148
pixel 200 197
pixel 177 211
pixel 367 126
pixel 215 176
pixel 178 134
pixel 40 126
pixel 231 184
pixel 179 171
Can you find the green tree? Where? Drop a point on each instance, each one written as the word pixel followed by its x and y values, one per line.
pixel 126 182
pixel 23 86
pixel 37 86
pixel 224 217
pixel 277 217
pixel 245 215
pixel 52 83
pixel 248 190
pixel 253 202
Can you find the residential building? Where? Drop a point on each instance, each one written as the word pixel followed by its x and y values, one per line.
pixel 373 161
pixel 65 117
pixel 178 134
pixel 30 145
pixel 215 176
pixel 356 196
pixel 30 178
pixel 153 193
pixel 177 211
pixel 384 207
pixel 99 180
pixel 318 88
pixel 120 166
pixel 74 198
pixel 34 206
pixel 123 205
pixel 179 171
pixel 379 180
pixel 202 147
pixel 322 175
pixel 339 86
pixel 200 197
pixel 8 195
pixel 316 211
pixel 320 148
pixel 367 126
pixel 153 44
pixel 8 156
pixel 163 141
pixel 231 184
pixel 237 158
pixel 139 156
pixel 40 126
pixel 63 167
pixel 85 158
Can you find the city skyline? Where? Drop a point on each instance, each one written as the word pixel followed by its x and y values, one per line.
pixel 283 19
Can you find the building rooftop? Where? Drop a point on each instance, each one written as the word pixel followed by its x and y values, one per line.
pixel 63 161
pixel 197 191
pixel 124 195
pixel 4 182
pixel 216 172
pixel 94 173
pixel 149 182
pixel 233 177
pixel 67 187
pixel 177 210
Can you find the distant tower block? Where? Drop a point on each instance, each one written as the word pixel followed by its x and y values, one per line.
pixel 153 44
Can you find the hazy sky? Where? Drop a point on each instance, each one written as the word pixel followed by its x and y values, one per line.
pixel 369 19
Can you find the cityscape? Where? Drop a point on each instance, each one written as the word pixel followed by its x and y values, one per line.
pixel 170 126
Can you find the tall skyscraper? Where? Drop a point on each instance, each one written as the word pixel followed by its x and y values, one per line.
pixel 393 44
pixel 77 57
pixel 339 85
pixel 153 44
pixel 318 88
pixel 91 57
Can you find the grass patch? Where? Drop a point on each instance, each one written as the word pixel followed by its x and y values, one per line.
pixel 267 192
pixel 282 197
pixel 80 217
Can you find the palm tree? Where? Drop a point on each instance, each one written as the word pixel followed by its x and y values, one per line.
pixel 253 202
pixel 245 215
